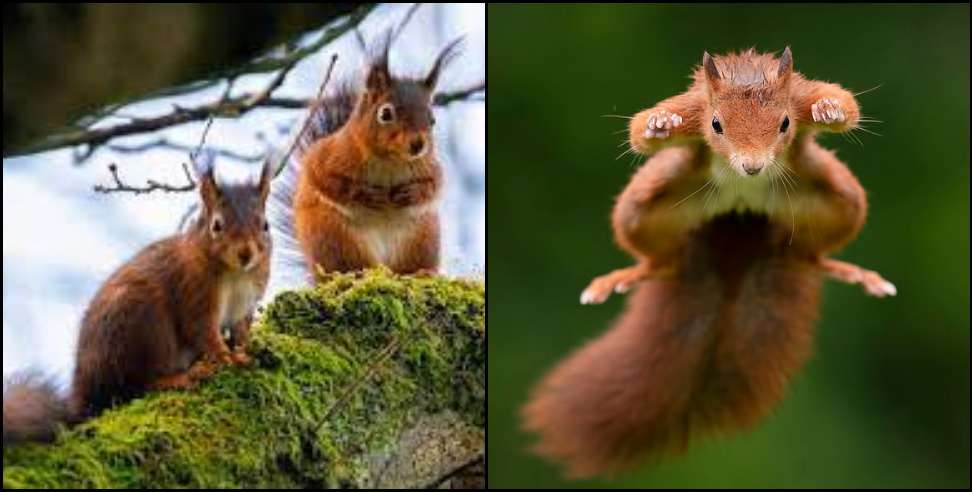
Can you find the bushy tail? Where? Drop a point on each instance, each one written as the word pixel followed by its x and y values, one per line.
pixel 32 409
pixel 288 268
pixel 709 350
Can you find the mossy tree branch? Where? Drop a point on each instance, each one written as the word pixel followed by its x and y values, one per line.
pixel 366 380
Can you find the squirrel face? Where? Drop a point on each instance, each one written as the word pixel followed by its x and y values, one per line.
pixel 233 224
pixel 394 115
pixel 748 120
pixel 398 119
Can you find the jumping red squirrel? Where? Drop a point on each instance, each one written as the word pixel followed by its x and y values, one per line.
pixel 368 177
pixel 730 223
pixel 156 323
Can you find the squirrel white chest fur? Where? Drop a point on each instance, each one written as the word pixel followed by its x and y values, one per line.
pixel 385 233
pixel 731 192
pixel 237 296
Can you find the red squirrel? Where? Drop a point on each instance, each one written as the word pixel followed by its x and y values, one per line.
pixel 156 323
pixel 730 223
pixel 368 177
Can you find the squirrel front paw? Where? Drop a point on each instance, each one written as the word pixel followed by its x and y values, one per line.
pixel 240 357
pixel 827 111
pixel 661 123
pixel 619 281
pixel 222 356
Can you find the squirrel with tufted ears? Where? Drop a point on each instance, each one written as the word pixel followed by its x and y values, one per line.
pixel 157 322
pixel 367 178
pixel 730 222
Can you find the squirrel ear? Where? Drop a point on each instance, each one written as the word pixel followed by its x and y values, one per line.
pixel 786 65
pixel 449 53
pixel 266 175
pixel 379 77
pixel 711 71
pixel 205 173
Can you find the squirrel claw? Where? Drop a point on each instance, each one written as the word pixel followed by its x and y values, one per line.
pixel 591 296
pixel 827 111
pixel 661 123
pixel 877 286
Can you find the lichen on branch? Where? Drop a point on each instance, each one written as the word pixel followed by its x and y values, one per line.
pixel 346 375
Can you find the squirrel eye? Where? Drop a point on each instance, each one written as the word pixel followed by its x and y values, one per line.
pixel 217 225
pixel 716 125
pixel 266 225
pixel 386 113
pixel 785 125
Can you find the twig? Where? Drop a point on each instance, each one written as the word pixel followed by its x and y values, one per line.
pixel 187 215
pixel 165 143
pixel 202 139
pixel 446 98
pixel 150 185
pixel 383 356
pixel 405 20
pixel 307 120
pixel 474 461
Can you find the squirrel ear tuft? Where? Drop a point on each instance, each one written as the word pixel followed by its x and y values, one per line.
pixel 449 53
pixel 205 173
pixel 786 65
pixel 379 76
pixel 711 71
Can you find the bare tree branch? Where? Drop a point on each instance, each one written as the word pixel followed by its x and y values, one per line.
pixel 441 99
pixel 165 143
pixel 267 63
pixel 468 93
pixel 151 185
pixel 225 107
pixel 86 140
pixel 230 107
pixel 405 21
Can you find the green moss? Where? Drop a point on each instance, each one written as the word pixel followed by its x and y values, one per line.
pixel 342 370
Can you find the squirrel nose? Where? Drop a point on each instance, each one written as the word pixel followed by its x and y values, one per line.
pixel 416 146
pixel 245 256
pixel 752 169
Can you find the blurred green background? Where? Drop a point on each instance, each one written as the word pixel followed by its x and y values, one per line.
pixel 885 399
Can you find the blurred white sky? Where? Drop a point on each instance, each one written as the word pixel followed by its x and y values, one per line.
pixel 61 239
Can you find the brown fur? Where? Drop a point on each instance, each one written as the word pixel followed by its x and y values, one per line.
pixel 364 196
pixel 32 409
pixel 723 316
pixel 155 322
pixel 701 351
